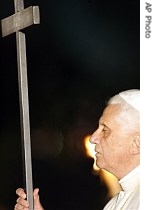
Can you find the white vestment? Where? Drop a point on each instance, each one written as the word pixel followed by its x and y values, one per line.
pixel 129 198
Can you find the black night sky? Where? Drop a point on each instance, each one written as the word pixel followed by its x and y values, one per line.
pixel 81 53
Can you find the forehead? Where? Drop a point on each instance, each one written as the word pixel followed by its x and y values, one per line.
pixel 109 113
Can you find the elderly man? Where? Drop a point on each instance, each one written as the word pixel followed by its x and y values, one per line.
pixel 117 147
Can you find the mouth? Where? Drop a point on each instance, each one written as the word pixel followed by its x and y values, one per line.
pixel 97 153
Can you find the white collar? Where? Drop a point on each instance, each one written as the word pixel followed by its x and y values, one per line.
pixel 131 180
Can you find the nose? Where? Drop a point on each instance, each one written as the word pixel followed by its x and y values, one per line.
pixel 94 139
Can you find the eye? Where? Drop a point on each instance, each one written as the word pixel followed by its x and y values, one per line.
pixel 105 130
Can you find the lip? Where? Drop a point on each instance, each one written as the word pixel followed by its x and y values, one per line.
pixel 97 153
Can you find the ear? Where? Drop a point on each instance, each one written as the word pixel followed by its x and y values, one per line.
pixel 135 146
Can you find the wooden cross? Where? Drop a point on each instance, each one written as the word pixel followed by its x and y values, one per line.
pixel 15 23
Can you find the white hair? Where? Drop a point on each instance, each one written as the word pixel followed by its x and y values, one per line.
pixel 128 112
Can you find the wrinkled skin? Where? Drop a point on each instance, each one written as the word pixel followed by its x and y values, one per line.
pixel 116 142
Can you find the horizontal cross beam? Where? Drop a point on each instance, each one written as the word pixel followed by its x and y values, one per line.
pixel 20 20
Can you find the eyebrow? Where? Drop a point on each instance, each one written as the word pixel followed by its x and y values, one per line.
pixel 102 123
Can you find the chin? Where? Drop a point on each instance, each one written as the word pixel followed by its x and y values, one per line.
pixel 99 165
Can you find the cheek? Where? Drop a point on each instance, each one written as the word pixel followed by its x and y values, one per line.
pixel 109 142
pixel 111 148
pixel 115 141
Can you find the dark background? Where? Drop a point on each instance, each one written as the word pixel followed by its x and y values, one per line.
pixel 82 53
